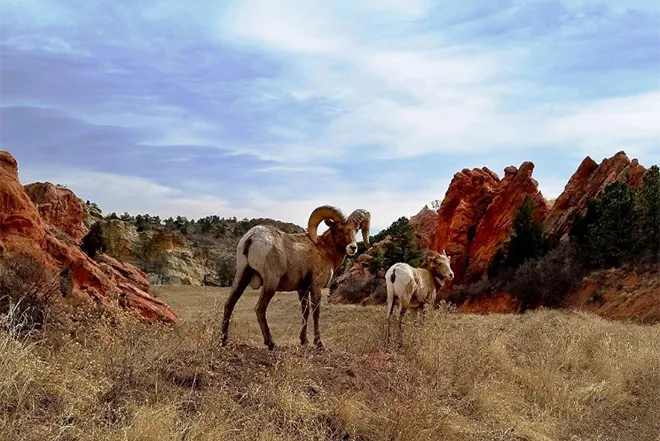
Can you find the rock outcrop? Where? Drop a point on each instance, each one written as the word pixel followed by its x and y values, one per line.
pixel 59 208
pixel 23 230
pixel 358 284
pixel 164 254
pixel 469 195
pixel 476 215
pixel 424 224
pixel 588 180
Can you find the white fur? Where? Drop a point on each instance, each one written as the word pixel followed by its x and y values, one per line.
pixel 263 243
pixel 413 288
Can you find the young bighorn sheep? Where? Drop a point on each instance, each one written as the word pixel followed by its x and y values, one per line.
pixel 305 262
pixel 414 288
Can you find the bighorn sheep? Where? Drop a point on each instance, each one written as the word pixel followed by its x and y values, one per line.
pixel 413 288
pixel 305 262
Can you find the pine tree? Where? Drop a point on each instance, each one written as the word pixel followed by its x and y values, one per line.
pixel 527 239
pixel 648 203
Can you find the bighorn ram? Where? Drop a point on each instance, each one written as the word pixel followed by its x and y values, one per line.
pixel 413 288
pixel 305 262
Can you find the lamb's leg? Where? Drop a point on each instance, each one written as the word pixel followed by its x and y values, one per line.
pixel 267 294
pixel 303 296
pixel 241 281
pixel 316 314
pixel 390 309
pixel 402 312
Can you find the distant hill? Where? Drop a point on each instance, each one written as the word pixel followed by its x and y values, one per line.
pixel 180 250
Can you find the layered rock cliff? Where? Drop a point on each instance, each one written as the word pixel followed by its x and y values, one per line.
pixel 165 255
pixel 588 180
pixel 27 228
pixel 476 215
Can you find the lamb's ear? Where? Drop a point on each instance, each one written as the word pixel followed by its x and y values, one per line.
pixel 329 222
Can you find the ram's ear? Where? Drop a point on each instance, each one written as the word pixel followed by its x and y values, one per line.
pixel 329 222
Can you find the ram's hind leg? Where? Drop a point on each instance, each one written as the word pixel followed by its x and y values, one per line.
pixel 316 314
pixel 267 293
pixel 303 296
pixel 241 281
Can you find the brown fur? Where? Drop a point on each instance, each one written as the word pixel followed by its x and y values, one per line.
pixel 294 262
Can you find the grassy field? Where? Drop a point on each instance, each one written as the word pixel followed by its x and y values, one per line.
pixel 545 375
pixel 284 316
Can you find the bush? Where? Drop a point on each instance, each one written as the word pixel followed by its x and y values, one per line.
pixel 94 241
pixel 547 280
pixel 26 290
pixel 225 268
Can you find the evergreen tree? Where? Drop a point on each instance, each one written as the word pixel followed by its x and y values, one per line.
pixel 403 246
pixel 527 239
pixel 606 234
pixel 648 207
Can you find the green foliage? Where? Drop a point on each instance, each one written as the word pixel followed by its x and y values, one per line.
pixel 497 263
pixel 526 242
pixel 93 205
pixel 527 239
pixel 546 281
pixel 376 262
pixel 606 234
pixel 225 267
pixel 94 241
pixel 648 209
pixel 401 248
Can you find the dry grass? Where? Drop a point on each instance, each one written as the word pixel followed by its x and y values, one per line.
pixel 546 375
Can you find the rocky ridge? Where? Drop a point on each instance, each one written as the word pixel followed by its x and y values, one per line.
pixel 50 230
pixel 476 216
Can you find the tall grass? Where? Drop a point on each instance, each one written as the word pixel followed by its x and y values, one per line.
pixel 543 375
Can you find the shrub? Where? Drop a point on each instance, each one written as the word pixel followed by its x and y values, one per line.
pixel 547 280
pixel 94 241
pixel 26 290
pixel 225 268
pixel 377 262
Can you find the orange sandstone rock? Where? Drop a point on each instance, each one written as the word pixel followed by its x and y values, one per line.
pixel 22 230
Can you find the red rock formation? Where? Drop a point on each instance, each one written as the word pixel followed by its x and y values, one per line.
pixel 109 282
pixel 587 181
pixel 494 228
pixel 424 224
pixel 476 214
pixel 466 200
pixel 59 208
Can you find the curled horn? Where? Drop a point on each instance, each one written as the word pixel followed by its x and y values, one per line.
pixel 323 212
pixel 361 219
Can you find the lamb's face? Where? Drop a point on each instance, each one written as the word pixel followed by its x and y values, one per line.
pixel 440 266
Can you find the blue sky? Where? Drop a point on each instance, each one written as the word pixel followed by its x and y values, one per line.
pixel 271 108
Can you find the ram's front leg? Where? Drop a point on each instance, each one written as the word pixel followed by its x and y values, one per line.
pixel 316 314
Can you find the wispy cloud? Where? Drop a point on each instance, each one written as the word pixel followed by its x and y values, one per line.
pixel 267 108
